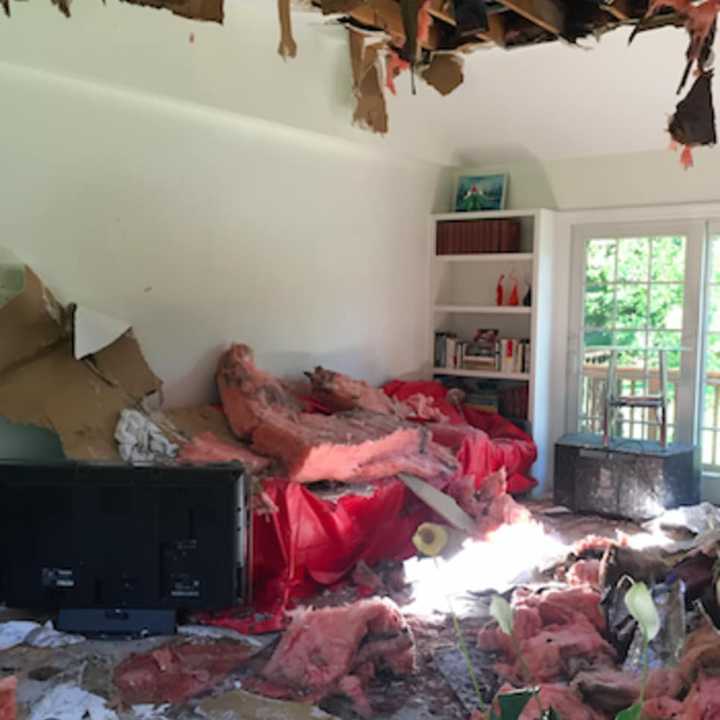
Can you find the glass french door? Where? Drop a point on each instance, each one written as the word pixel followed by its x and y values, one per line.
pixel 637 289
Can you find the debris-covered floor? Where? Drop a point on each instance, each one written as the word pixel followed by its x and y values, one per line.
pixel 207 672
pixel 389 538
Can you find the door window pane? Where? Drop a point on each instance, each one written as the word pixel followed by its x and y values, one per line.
pixel 710 424
pixel 633 301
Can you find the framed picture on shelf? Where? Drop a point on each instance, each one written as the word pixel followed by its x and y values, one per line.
pixel 475 193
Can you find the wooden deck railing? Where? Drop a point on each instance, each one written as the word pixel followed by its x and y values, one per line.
pixel 640 423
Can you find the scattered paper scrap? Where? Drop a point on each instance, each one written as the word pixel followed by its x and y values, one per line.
pixel 27 632
pixel 68 702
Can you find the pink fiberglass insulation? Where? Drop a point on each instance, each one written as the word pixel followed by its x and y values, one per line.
pixel 553 630
pixel 337 650
pixel 207 448
pixel 344 447
pixel 175 673
pixel 8 706
pixel 339 392
pixel 584 572
pixel 703 700
pixel 250 395
pixel 359 445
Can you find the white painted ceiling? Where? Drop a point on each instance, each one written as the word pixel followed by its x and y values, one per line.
pixel 540 102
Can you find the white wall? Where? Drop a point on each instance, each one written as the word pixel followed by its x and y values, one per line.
pixel 202 227
pixel 632 179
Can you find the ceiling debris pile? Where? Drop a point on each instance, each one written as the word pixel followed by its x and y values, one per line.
pixel 429 38
pixel 693 123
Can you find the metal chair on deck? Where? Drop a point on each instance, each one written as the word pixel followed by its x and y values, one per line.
pixel 654 401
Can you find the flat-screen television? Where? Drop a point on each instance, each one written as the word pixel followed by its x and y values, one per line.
pixel 116 538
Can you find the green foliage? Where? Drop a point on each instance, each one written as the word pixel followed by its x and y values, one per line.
pixel 512 704
pixel 502 611
pixel 639 602
pixel 618 302
pixel 641 606
pixel 634 712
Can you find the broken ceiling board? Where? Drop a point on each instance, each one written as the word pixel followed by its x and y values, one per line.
pixel 287 47
pixel 445 73
pixel 547 14
pixel 496 30
pixel 332 7
pixel 386 15
pixel 495 33
pixel 42 384
pixel 371 109
pixel 208 10
pixel 619 9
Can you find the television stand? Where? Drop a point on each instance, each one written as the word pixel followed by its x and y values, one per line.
pixel 117 622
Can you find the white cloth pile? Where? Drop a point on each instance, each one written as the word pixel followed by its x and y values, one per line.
pixel 140 440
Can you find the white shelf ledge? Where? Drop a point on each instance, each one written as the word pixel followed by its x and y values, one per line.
pixel 495 374
pixel 485 309
pixel 486 215
pixel 486 257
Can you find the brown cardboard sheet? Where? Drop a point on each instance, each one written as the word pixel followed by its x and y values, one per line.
pixel 371 109
pixel 444 73
pixel 210 10
pixel 42 384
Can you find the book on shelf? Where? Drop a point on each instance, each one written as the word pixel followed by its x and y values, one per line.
pixel 469 237
pixel 486 352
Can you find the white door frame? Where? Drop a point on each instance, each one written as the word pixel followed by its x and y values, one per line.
pixel 695 230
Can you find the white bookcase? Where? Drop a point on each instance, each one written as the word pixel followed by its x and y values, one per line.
pixel 462 299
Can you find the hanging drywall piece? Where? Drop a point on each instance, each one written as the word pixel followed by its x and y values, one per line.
pixel 444 73
pixel 371 110
pixel 208 10
pixel 288 46
pixel 42 384
pixel 693 123
pixel 94 331
pixel 63 6
pixel 330 7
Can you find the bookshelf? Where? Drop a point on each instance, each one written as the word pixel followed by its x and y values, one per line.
pixel 462 290
pixel 487 374
pixel 484 309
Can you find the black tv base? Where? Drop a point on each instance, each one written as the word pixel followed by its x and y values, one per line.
pixel 117 622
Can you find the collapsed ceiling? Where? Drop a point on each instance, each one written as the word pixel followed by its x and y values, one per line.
pixel 429 38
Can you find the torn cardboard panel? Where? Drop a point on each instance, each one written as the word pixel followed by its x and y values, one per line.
pixel 330 7
pixel 371 109
pixel 445 73
pixel 208 10
pixel 189 422
pixel 31 322
pixel 287 47
pixel 42 384
pixel 95 331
